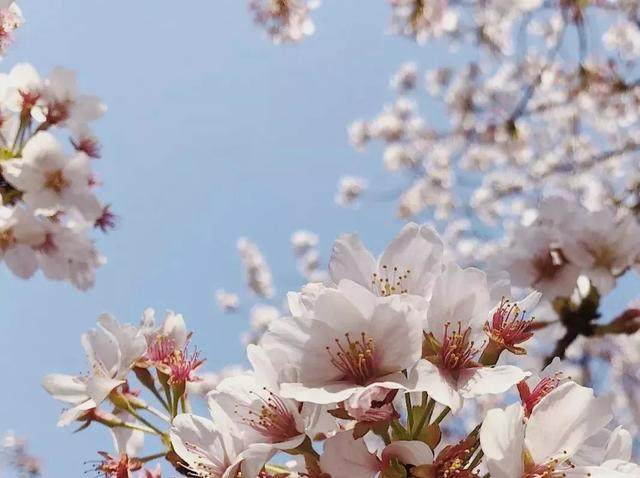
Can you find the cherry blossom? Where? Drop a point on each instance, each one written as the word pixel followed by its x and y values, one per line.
pixel 347 346
pixel 410 263
pixel 517 449
pixel 450 371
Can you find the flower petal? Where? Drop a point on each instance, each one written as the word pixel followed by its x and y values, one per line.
pixel 502 441
pixel 573 413
pixel 351 260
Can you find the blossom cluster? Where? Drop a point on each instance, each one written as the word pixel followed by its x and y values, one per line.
pixel 531 112
pixel 358 380
pixel 49 206
pixel 285 21
pixel 15 455
pixel 566 241
pixel 10 20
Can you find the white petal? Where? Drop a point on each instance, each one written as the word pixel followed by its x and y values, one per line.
pixel 426 377
pixel 478 381
pixel 459 295
pixel 502 440
pixel 351 260
pixel 21 260
pixel 68 416
pixel 330 393
pixel 262 366
pixel 619 446
pixel 344 457
pixel 99 388
pixel 408 452
pixel 397 335
pixel 573 413
pixel 175 327
pixel 66 388
pixel 418 250
pixel 253 459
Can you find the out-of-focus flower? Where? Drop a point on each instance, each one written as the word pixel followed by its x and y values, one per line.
pixel 285 21
pixel 349 190
pixel 227 301
pixel 257 271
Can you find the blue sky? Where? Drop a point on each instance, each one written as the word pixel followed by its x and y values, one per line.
pixel 211 133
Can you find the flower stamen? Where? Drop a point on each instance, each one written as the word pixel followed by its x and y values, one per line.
pixel 357 360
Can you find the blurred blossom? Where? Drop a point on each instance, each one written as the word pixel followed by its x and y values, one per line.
pixel 349 190
pixel 257 271
pixel 227 301
pixel 285 21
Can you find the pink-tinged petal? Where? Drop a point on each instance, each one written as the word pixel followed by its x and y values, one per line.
pixel 344 457
pixel 426 377
pixel 563 420
pixel 502 440
pixel 351 260
pixel 408 453
pixel 478 381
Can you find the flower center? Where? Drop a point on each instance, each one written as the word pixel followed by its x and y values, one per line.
pixel 274 421
pixel 205 465
pixel 48 246
pixel 553 469
pixel 604 256
pixel 57 112
pixel 530 398
pixel 161 349
pixel 388 281
pixel 457 350
pixel 547 265
pixel 117 467
pixel 29 100
pixel 281 8
pixel 182 364
pixel 88 146
pixel 7 239
pixel 356 360
pixel 451 461
pixel 508 325
pixel 56 181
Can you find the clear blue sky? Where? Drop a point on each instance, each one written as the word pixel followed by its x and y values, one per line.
pixel 211 133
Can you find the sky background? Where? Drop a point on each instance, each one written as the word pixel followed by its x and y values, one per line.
pixel 212 133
